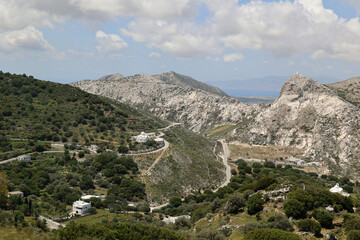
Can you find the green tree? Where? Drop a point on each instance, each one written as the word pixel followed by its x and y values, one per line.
pixel 308 225
pixel 3 189
pixel 86 183
pixel 175 201
pixel 325 219
pixel 235 203
pixel 269 234
pixel 255 204
pixel 123 149
pixel 294 208
pixel 81 154
pixel 269 164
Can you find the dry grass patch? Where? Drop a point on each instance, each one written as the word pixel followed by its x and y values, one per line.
pixel 246 151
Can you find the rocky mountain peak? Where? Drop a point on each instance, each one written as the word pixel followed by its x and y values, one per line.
pixel 299 84
pixel 114 77
pixel 186 81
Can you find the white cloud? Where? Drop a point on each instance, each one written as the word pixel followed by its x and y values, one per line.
pixel 18 15
pixel 110 9
pixel 286 28
pixel 283 28
pixel 109 42
pixel 28 38
pixel 233 57
pixel 154 55
pixel 184 40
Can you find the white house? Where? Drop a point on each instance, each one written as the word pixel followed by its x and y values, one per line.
pixel 88 197
pixel 26 158
pixel 338 189
pixel 142 138
pixel 80 207
pixel 169 220
pixel 16 193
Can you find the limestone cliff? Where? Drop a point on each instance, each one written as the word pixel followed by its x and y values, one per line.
pixel 173 97
pixel 310 115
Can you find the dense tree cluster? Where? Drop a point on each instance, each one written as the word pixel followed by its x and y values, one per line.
pixel 264 234
pixel 116 231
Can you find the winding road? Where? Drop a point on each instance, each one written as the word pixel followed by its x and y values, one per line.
pixel 225 156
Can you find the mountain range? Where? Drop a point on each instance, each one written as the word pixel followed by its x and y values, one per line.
pixel 321 119
pixel 174 97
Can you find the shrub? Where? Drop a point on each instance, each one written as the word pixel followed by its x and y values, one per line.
pixel 263 183
pixel 308 225
pixel 352 224
pixel 123 149
pixel 353 235
pixel 235 203
pixel 182 222
pixel 92 211
pixel 294 208
pixel 255 204
pixel 265 234
pixel 210 234
pixel 81 154
pixel 269 164
pixel 279 221
pixel 325 219
pixel 175 201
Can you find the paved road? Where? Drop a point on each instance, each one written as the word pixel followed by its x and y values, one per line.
pixel 9 160
pixel 16 158
pixel 166 145
pixel 50 223
pixel 227 166
pixel 158 207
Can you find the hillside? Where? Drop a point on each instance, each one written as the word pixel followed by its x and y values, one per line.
pixel 42 110
pixel 34 114
pixel 173 97
pixel 311 116
pixel 348 90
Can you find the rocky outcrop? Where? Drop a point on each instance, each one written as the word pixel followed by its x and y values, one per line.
pixel 173 97
pixel 310 115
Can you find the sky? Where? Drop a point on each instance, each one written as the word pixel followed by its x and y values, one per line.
pixel 209 40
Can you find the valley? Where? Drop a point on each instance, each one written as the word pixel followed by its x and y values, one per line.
pixel 145 150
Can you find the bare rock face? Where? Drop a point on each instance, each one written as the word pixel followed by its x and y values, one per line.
pixel 310 115
pixel 173 97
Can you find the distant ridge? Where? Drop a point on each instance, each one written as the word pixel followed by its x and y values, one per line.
pixel 348 90
pixel 176 78
pixel 115 76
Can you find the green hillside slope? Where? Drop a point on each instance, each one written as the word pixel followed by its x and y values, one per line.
pixel 42 110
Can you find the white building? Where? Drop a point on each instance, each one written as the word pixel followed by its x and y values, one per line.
pixel 338 189
pixel 169 220
pixel 88 197
pixel 16 193
pixel 26 158
pixel 80 207
pixel 142 138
